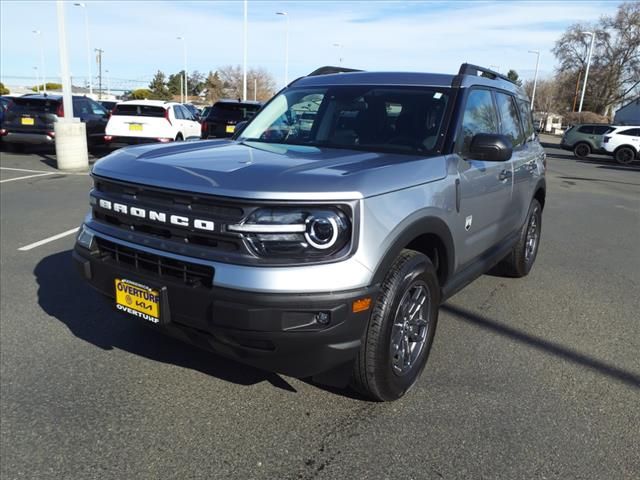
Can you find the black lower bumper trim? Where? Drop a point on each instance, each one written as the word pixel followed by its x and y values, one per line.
pixel 297 335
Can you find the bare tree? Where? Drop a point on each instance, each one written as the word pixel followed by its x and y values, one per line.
pixel 231 76
pixel 615 64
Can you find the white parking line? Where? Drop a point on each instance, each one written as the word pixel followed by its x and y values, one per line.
pixel 24 170
pixel 47 240
pixel 27 176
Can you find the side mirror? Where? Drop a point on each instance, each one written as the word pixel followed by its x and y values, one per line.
pixel 491 147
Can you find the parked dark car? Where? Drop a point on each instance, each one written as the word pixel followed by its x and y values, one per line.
pixel 30 119
pixel 225 114
pixel 4 103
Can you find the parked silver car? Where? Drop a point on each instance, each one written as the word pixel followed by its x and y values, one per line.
pixel 321 241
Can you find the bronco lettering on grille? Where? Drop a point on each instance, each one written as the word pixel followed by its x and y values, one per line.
pixel 156 216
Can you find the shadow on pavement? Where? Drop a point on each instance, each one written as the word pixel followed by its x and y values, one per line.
pixel 565 353
pixel 65 296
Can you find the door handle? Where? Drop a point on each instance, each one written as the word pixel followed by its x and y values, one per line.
pixel 504 175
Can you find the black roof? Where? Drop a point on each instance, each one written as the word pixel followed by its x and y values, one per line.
pixel 468 75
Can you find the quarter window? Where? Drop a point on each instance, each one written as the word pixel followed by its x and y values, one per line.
pixel 177 111
pixel 510 123
pixel 479 117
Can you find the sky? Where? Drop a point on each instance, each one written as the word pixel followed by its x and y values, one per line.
pixel 139 37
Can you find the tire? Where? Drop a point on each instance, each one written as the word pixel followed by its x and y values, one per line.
pixel 381 372
pixel 625 155
pixel 582 150
pixel 179 138
pixel 519 262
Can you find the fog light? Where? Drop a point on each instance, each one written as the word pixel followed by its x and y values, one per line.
pixel 323 318
pixel 85 239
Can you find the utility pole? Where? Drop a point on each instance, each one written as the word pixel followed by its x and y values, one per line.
pixel 575 97
pixel 586 72
pixel 99 60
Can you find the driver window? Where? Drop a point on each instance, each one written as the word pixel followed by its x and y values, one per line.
pixel 479 117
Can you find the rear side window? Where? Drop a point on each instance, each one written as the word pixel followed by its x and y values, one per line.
pixel 510 123
pixel 186 112
pixel 601 129
pixel 139 111
pixel 588 129
pixel 34 105
pixel 177 111
pixel 527 120
pixel 479 117
pixel 632 132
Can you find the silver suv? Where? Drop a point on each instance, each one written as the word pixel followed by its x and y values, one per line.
pixel 321 240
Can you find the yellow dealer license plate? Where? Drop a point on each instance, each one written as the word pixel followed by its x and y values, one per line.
pixel 231 128
pixel 135 127
pixel 137 300
pixel 28 121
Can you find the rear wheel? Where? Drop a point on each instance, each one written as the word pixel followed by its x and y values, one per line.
pixel 179 138
pixel 582 150
pixel 519 262
pixel 625 155
pixel 400 332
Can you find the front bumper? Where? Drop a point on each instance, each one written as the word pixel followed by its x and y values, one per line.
pixel 271 331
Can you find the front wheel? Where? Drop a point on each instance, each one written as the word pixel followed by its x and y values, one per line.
pixel 401 328
pixel 582 150
pixel 625 155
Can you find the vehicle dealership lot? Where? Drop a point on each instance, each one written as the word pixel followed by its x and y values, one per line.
pixel 530 378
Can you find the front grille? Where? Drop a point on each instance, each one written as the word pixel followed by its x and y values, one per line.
pixel 191 274
pixel 221 212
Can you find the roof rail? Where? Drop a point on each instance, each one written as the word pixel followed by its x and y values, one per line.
pixel 475 70
pixel 328 70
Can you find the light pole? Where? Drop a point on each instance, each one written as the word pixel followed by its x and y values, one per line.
pixel 535 76
pixel 86 26
pixel 340 46
pixel 586 73
pixel 184 77
pixel 286 49
pixel 42 72
pixel 35 69
pixel 244 54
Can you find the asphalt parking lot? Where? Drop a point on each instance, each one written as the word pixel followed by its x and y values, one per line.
pixel 530 378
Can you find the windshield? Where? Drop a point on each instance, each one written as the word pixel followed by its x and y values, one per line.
pixel 398 119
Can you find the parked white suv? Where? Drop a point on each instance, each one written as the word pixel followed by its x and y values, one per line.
pixel 623 143
pixel 148 121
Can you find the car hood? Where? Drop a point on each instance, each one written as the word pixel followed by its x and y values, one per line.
pixel 257 170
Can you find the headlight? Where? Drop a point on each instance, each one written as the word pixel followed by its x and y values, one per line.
pixel 85 238
pixel 296 232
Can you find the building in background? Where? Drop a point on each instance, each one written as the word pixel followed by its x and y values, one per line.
pixel 628 114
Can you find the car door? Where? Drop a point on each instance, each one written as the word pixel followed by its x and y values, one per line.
pixel 97 119
pixel 523 160
pixel 484 188
pixel 191 126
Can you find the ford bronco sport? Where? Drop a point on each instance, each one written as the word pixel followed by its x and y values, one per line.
pixel 321 240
